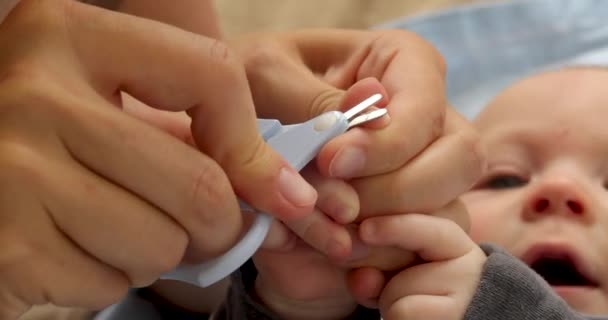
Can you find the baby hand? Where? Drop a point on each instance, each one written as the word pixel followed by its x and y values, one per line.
pixel 443 284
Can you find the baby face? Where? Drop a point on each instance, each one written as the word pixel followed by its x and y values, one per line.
pixel 544 196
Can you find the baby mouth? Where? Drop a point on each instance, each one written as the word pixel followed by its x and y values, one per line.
pixel 561 270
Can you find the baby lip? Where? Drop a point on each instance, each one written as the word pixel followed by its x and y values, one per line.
pixel 560 266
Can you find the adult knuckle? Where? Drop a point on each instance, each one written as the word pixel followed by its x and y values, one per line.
pixel 384 55
pixel 20 262
pixel 37 15
pixel 27 89
pixel 223 56
pixel 326 100
pixel 382 49
pixel 20 164
pixel 410 41
pixel 16 250
pixel 228 70
pixel 220 52
pixel 20 76
pixel 261 56
pixel 11 307
pixel 257 156
pixel 17 293
pixel 211 194
pixel 208 185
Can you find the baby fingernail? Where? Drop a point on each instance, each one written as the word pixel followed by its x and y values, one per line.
pixel 347 163
pixel 295 189
pixel 359 250
pixel 367 231
pixel 345 214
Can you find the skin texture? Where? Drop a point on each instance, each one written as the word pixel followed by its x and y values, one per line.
pixel 429 131
pixel 535 196
pixel 289 82
pixel 544 192
pixel 81 182
pixel 545 186
pixel 391 180
pixel 92 199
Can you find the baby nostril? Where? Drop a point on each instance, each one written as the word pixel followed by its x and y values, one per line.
pixel 541 205
pixel 575 206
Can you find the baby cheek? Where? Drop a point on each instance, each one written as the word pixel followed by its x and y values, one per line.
pixel 483 228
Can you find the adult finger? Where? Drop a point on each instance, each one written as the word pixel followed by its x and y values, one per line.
pixel 411 71
pixel 209 82
pixel 176 124
pixel 40 265
pixel 187 185
pixel 443 171
pixel 117 148
pixel 281 77
pixel 112 225
pixel 324 229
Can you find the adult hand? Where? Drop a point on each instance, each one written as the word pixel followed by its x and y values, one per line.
pixel 424 159
pixel 420 162
pixel 93 200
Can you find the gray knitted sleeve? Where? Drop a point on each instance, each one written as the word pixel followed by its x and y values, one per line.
pixel 509 289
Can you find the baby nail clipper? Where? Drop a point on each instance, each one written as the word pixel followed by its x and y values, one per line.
pixel 298 144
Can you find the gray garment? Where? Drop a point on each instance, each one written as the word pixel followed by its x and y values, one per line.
pixel 508 290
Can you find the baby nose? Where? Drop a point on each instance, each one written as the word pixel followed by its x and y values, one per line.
pixel 557 197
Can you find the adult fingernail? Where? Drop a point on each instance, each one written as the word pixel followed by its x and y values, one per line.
pixel 295 189
pixel 347 163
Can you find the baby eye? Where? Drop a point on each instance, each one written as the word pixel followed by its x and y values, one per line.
pixel 503 182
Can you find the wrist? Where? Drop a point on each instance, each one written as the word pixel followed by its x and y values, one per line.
pixel 325 308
